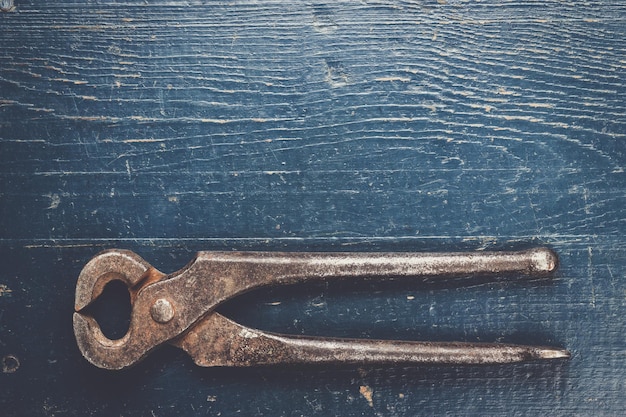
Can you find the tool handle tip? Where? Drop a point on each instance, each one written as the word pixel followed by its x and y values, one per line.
pixel 549 353
pixel 544 260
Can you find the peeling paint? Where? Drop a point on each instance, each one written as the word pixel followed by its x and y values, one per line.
pixel 367 393
pixel 5 291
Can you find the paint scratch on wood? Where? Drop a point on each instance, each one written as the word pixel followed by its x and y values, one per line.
pixel 367 393
pixel 5 291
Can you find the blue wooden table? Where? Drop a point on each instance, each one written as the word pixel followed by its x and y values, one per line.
pixel 171 127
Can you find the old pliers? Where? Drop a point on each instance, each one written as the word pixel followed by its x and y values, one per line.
pixel 180 308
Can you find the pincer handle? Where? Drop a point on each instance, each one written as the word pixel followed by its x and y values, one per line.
pixel 217 341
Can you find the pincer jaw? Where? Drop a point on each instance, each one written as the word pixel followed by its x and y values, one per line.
pixel 96 347
pixel 111 265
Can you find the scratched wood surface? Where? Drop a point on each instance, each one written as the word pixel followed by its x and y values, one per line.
pixel 170 127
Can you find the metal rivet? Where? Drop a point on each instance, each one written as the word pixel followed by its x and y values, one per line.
pixel 162 311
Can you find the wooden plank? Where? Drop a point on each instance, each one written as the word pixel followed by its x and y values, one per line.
pixel 169 127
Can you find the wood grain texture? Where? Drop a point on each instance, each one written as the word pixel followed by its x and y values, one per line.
pixel 171 127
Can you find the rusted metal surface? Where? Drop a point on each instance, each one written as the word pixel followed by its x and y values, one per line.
pixel 179 308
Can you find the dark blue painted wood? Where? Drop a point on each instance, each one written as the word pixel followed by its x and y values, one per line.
pixel 168 128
